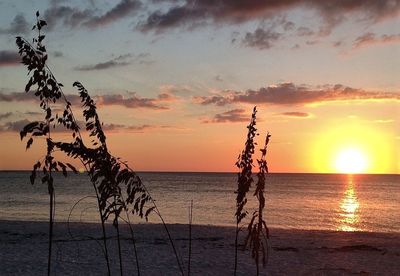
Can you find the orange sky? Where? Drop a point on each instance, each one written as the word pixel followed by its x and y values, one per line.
pixel 177 95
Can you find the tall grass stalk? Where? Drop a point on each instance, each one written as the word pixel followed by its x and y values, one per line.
pixel 258 234
pixel 190 234
pixel 245 164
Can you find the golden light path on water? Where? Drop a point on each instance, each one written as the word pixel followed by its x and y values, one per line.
pixel 349 206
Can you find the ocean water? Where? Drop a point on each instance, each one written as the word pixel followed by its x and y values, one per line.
pixel 300 201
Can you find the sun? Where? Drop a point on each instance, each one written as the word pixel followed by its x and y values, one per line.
pixel 351 161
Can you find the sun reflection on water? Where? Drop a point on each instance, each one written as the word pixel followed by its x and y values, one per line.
pixel 349 205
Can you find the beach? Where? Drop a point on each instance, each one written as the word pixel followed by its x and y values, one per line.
pixel 77 251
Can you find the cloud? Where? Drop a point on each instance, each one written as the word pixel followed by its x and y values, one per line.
pixel 101 100
pixel 58 54
pixel 33 113
pixel 74 17
pixel 102 65
pixel 304 31
pixel 14 126
pixel 70 17
pixel 166 97
pixel 296 114
pixel 291 94
pixel 383 121
pixel 9 58
pixel 131 102
pixel 197 13
pixel 218 78
pixel 371 38
pixel 5 115
pixel 121 10
pixel 176 90
pixel 30 97
pixel 261 39
pixel 134 128
pixel 231 116
pixel 218 100
pixel 119 61
pixel 18 26
pixel 16 97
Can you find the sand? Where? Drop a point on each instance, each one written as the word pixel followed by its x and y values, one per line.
pixel 23 251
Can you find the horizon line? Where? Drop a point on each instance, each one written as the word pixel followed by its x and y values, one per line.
pixel 224 172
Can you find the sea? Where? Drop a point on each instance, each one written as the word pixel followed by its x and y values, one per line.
pixel 339 202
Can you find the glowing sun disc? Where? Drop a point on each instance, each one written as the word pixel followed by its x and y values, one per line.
pixel 351 161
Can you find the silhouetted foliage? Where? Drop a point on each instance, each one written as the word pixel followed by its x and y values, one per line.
pixel 118 188
pixel 258 233
pixel 48 91
pixel 245 165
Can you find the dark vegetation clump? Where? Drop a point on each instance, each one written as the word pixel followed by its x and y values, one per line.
pixel 257 237
pixel 245 165
pixel 258 233
pixel 117 187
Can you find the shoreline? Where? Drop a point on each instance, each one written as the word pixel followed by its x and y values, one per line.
pixel 23 250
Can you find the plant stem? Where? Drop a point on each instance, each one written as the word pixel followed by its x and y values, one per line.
pixel 170 239
pixel 119 246
pixel 236 248
pixel 157 211
pixel 103 230
pixel 190 234
pixel 50 230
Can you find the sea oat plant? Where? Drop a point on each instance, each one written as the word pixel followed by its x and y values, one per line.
pixel 258 233
pixel 117 187
pixel 245 165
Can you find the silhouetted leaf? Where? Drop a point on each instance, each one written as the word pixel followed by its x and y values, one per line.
pixel 72 167
pixel 42 23
pixel 148 212
pixel 48 113
pixel 29 143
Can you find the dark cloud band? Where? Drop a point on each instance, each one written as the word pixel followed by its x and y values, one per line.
pixel 290 94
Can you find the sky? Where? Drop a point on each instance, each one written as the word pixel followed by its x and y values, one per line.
pixel 175 81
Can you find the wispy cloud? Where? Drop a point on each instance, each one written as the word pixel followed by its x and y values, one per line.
pixel 371 38
pixel 9 58
pixel 121 10
pixel 291 94
pixel 135 128
pixel 295 114
pixel 75 17
pixel 5 115
pixel 68 16
pixel 132 101
pixel 176 90
pixel 102 65
pixel 261 39
pixel 119 61
pixel 231 116
pixel 198 13
pixel 383 121
pixel 304 31
pixel 18 26
pixel 16 126
pixel 58 54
